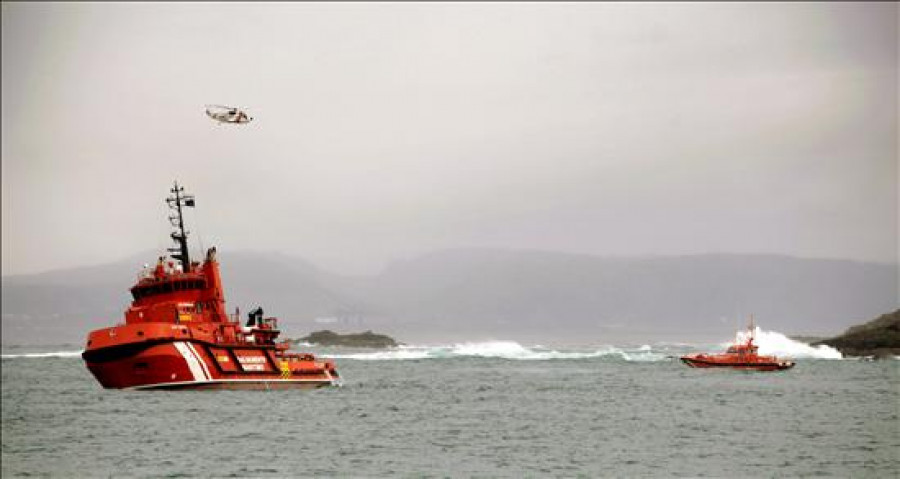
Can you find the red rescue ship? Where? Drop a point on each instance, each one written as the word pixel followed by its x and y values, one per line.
pixel 740 355
pixel 177 335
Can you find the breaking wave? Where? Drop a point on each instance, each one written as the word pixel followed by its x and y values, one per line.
pixel 769 342
pixel 774 343
pixel 502 350
pixel 56 354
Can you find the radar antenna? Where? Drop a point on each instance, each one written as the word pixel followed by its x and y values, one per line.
pixel 176 202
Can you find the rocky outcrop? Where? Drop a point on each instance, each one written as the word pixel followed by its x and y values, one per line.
pixel 367 339
pixel 879 338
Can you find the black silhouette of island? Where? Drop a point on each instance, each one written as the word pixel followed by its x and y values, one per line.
pixel 367 339
pixel 879 338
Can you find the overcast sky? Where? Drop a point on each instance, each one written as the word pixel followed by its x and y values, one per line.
pixel 383 131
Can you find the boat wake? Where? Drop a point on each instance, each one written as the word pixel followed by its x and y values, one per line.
pixel 777 344
pixel 503 350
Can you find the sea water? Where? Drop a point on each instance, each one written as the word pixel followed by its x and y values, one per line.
pixel 496 409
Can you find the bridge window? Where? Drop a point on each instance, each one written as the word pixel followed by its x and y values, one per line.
pixel 166 287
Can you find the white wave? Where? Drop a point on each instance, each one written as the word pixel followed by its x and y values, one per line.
pixel 501 350
pixel 777 344
pixel 403 352
pixel 642 356
pixel 56 354
pixel 492 349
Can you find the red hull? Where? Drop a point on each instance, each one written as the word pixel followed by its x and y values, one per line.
pixel 712 362
pixel 192 365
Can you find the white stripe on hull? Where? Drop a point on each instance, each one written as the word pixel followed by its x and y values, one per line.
pixel 200 359
pixel 191 359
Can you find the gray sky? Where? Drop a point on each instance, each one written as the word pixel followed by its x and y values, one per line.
pixel 386 130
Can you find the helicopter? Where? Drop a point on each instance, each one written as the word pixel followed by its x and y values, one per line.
pixel 228 114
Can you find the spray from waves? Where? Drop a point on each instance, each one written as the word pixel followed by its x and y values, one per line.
pixel 774 343
pixel 501 350
pixel 56 354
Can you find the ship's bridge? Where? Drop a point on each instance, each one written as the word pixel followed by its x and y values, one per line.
pixel 176 283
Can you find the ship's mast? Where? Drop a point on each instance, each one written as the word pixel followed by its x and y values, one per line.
pixel 752 329
pixel 180 235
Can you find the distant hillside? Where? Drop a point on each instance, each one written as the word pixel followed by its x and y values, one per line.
pixel 879 337
pixel 59 307
pixel 565 295
pixel 473 294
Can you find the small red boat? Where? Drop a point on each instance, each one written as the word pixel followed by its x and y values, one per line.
pixel 741 355
pixel 177 335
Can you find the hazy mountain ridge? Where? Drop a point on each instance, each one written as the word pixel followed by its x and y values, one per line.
pixel 580 293
pixel 501 293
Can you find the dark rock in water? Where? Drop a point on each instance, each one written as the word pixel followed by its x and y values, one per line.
pixel 367 339
pixel 879 338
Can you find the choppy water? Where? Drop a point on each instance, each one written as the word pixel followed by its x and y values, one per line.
pixel 487 410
